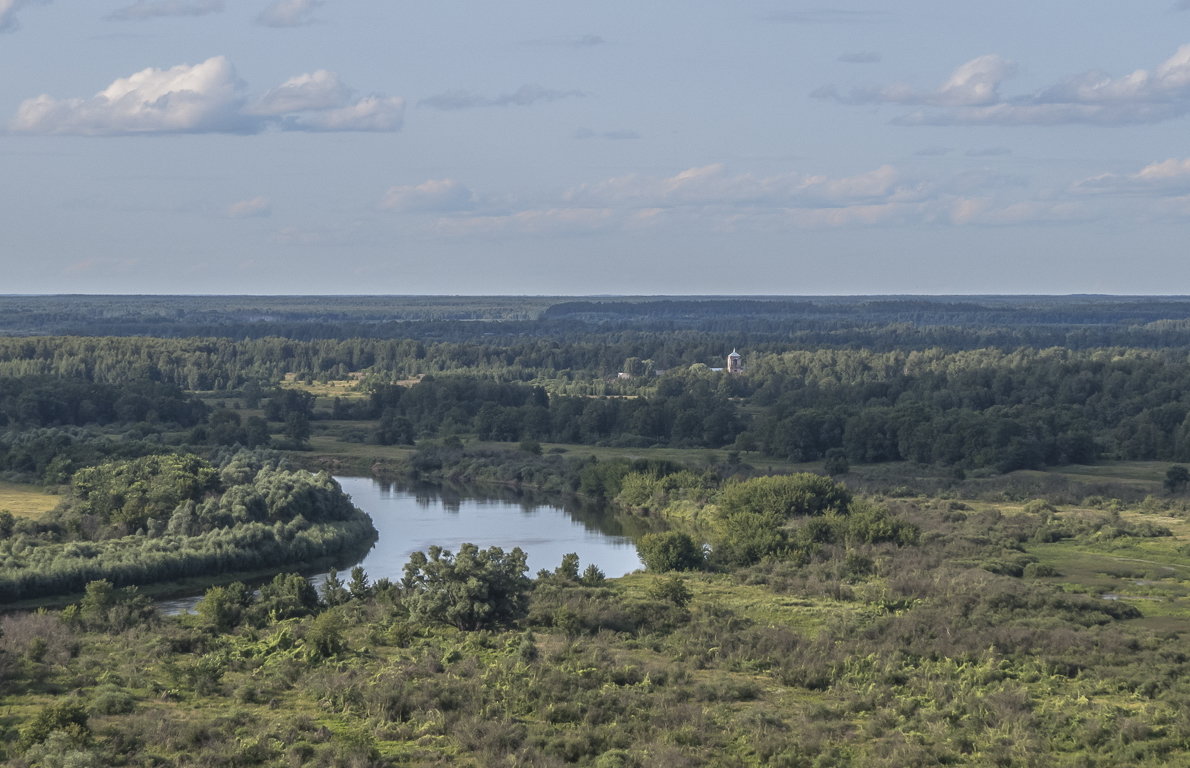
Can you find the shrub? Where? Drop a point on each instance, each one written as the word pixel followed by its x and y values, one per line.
pixel 670 551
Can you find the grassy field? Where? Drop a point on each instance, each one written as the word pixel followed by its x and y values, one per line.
pixel 26 500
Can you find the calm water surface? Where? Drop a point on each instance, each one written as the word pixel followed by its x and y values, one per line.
pixel 410 519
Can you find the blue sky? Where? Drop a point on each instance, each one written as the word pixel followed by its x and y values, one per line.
pixel 356 146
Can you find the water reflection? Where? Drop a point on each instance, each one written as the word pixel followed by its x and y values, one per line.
pixel 412 517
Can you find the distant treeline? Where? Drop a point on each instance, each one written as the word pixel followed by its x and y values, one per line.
pixel 982 408
pixel 881 323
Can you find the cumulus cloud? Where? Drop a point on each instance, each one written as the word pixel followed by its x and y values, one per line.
pixel 181 99
pixel 971 84
pixel 255 207
pixel 208 97
pixel 288 13
pixel 8 13
pixel 1169 177
pixel 154 9
pixel 316 90
pixel 525 96
pixel 432 195
pixel 971 96
pixel 379 114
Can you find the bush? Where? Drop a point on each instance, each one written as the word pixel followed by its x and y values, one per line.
pixel 476 589
pixel 670 551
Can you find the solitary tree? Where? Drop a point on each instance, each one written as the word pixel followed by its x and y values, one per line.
pixel 669 551
pixel 476 589
pixel 1176 478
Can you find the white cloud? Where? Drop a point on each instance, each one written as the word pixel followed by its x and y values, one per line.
pixel 182 99
pixel 714 199
pixel 288 13
pixel 208 97
pixel 152 9
pixel 987 212
pixel 379 114
pixel 1169 177
pixel 971 96
pixel 316 90
pixel 8 13
pixel 432 195
pixel 714 185
pixel 524 96
pixel 971 84
pixel 252 208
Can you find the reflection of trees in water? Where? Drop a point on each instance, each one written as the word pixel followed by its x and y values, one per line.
pixel 593 516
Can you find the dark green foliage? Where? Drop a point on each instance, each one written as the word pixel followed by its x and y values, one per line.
pixel 333 591
pixel 325 636
pixel 753 515
pixel 221 608
pixel 52 401
pixel 671 589
pixel 475 589
pixel 265 517
pixel 66 715
pixel 836 462
pixel 287 596
pixel 358 587
pixel 1176 478
pixel 126 494
pixel 108 609
pixel 670 551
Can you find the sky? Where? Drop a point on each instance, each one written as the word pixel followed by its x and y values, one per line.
pixel 669 147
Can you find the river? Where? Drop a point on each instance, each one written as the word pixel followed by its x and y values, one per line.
pixel 409 519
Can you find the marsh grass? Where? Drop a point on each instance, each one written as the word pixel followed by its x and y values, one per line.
pixel 28 501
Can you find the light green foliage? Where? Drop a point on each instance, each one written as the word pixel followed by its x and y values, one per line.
pixel 475 589
pixel 781 497
pixel 222 607
pixel 266 516
pixel 358 587
pixel 287 596
pixel 107 609
pixel 671 589
pixel 752 515
pixel 669 551
pixel 325 636
pixel 128 493
pixel 67 716
pixel 653 492
pixel 333 591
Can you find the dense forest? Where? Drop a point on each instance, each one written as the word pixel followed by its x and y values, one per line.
pixel 805 601
pixel 164 517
